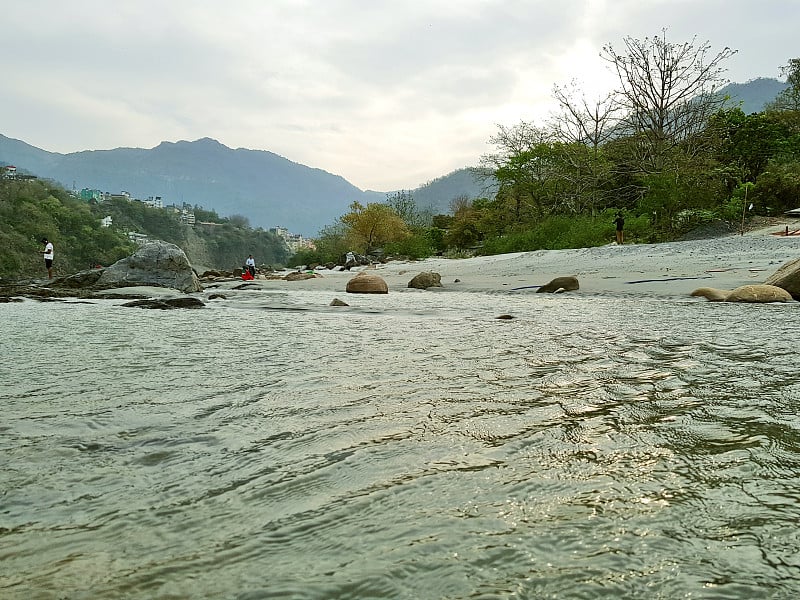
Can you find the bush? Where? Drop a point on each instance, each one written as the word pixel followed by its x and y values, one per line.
pixel 557 233
pixel 415 246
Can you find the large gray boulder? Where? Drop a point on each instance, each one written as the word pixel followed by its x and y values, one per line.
pixel 787 277
pixel 156 263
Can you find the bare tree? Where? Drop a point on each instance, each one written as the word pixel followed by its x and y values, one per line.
pixel 668 92
pixel 582 121
pixel 584 126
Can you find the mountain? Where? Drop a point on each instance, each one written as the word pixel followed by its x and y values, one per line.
pixel 266 188
pixel 754 94
pixel 437 195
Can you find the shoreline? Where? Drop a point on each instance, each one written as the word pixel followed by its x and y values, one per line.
pixel 669 268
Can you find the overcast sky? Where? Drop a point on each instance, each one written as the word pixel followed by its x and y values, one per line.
pixel 387 94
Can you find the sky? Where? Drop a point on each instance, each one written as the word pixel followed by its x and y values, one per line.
pixel 387 94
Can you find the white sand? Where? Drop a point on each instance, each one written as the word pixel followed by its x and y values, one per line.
pixel 672 269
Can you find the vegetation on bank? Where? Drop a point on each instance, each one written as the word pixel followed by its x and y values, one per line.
pixel 31 209
pixel 665 150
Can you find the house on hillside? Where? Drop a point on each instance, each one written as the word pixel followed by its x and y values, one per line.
pixel 88 194
pixel 187 217
pixel 154 202
pixel 121 196
pixel 137 238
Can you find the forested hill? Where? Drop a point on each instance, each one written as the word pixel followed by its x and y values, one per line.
pixel 32 209
pixel 755 94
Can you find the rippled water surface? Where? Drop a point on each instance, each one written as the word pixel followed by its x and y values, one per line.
pixel 409 446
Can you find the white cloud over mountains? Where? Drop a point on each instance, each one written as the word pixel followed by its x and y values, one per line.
pixel 389 95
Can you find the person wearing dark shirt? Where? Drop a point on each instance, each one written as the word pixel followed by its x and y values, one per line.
pixel 620 223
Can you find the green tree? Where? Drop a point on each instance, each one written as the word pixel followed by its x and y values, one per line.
pixel 789 99
pixel 371 226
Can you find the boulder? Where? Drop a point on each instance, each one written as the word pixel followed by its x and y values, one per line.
pixel 81 280
pixel 298 276
pixel 712 294
pixel 560 284
pixel 745 293
pixel 787 277
pixel 759 293
pixel 337 302
pixel 422 281
pixel 367 283
pixel 166 304
pixel 156 263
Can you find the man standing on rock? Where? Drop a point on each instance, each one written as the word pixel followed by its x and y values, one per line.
pixel 48 257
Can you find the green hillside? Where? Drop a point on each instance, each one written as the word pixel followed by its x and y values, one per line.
pixel 31 209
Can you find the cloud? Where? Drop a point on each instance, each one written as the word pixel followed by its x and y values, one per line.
pixel 388 95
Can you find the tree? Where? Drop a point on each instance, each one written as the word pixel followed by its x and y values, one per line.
pixel 581 121
pixel 668 92
pixel 371 226
pixel 403 204
pixel 519 166
pixel 789 99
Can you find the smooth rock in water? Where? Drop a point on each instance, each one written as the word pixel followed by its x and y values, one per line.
pixel 367 283
pixel 166 304
pixel 156 263
pixel 711 294
pixel 787 277
pixel 560 284
pixel 337 302
pixel 746 293
pixel 422 281
pixel 298 276
pixel 759 293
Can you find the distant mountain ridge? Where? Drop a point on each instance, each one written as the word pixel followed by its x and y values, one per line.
pixel 755 94
pixel 268 189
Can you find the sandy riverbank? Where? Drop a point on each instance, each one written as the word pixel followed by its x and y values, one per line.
pixel 671 269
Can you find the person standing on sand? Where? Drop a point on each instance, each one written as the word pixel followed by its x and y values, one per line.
pixel 620 223
pixel 48 257
pixel 250 263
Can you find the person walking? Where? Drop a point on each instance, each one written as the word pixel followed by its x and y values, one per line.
pixel 48 257
pixel 250 263
pixel 620 223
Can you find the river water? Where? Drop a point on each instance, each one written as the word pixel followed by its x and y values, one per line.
pixel 409 446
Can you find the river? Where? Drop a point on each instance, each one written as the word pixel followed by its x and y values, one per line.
pixel 409 446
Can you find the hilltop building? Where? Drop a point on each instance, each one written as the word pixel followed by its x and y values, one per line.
pixel 294 241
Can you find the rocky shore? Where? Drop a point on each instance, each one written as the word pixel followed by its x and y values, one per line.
pixel 670 269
